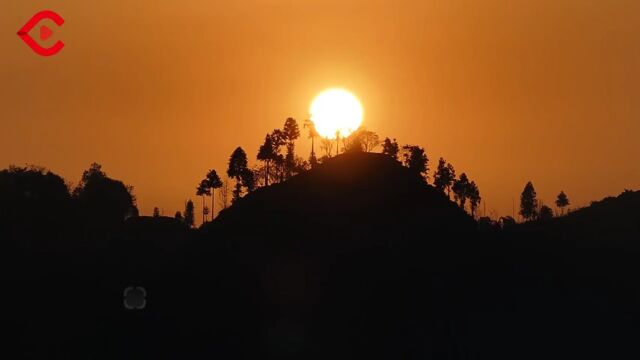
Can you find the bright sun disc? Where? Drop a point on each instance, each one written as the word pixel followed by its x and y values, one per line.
pixel 336 111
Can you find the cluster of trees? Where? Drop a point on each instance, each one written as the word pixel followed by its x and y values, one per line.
pixel 533 209
pixel 279 162
pixel 444 178
pixel 97 200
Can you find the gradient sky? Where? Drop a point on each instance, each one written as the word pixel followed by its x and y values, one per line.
pixel 158 91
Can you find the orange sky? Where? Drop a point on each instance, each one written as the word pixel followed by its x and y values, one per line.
pixel 158 91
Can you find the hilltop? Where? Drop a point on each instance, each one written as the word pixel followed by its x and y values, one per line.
pixel 350 196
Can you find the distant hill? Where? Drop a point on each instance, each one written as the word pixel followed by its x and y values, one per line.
pixel 612 223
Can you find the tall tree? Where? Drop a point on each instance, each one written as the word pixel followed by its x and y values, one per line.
pixel 213 182
pixel 203 190
pixel 562 201
pixel 237 168
pixel 279 139
pixel 444 176
pixel 461 190
pixel 223 195
pixel 474 197
pixel 452 176
pixel 266 154
pixel 390 148
pixel 291 133
pixel 528 202
pixel 189 214
pixel 416 159
pixel 313 134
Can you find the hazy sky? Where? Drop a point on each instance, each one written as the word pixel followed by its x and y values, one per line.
pixel 158 91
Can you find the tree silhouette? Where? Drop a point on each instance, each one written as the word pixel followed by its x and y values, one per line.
pixel 223 195
pixel 416 160
pixel 474 197
pixel 368 139
pixel 203 190
pixel 361 140
pixel 444 176
pixel 353 143
pixel 545 213
pixel 33 194
pixel 562 201
pixel 248 180
pixel 156 212
pixel 528 202
pixel 326 145
pixel 92 173
pixel 313 134
pixel 461 189
pixel 291 133
pixel 266 154
pixel 178 216
pixel 279 140
pixel 102 200
pixel 237 170
pixel 390 148
pixel 189 215
pixel 213 183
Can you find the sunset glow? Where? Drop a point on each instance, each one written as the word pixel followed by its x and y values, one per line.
pixel 336 112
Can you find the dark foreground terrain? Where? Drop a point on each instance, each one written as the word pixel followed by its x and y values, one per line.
pixel 355 259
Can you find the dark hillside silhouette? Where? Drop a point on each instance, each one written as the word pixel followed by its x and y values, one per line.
pixel 349 190
pixel 356 258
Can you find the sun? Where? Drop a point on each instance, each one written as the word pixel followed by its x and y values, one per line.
pixel 336 112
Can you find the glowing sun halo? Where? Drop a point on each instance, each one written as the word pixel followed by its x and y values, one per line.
pixel 336 112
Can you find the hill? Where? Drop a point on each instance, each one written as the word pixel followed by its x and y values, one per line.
pixel 611 223
pixel 352 196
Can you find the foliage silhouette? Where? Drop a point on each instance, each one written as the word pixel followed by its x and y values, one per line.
pixel 528 202
pixel 461 189
pixel 474 197
pixel 189 214
pixel 545 213
pixel 313 134
pixel 213 183
pixel 103 201
pixel 267 154
pixel 562 201
pixel 291 133
pixel 238 170
pixel 390 148
pixel 416 160
pixel 203 190
pixel 444 176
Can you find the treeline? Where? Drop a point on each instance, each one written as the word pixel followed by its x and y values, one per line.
pixel 99 200
pixel 36 203
pixel 278 161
